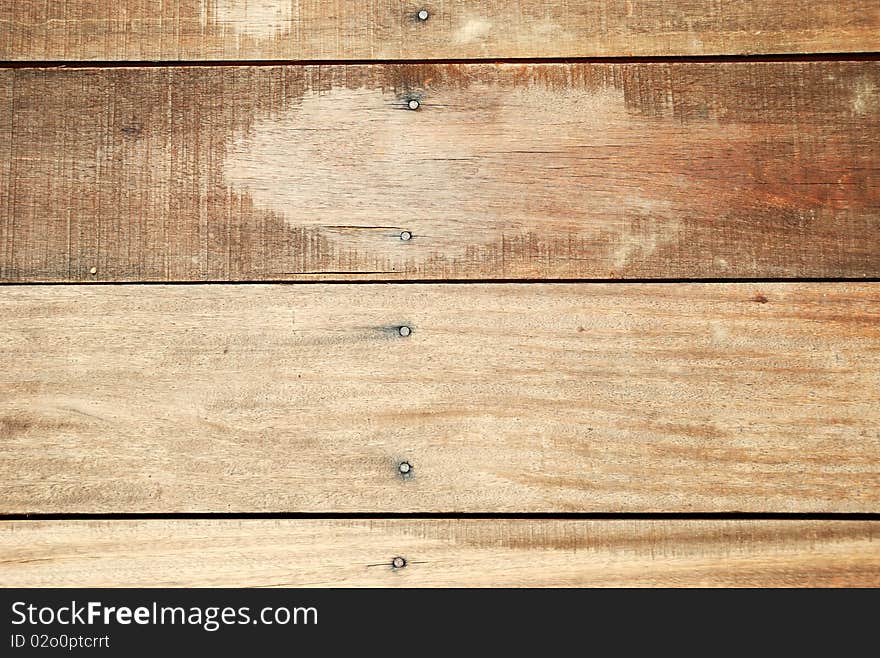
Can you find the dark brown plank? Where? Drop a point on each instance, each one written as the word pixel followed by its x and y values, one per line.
pixel 504 171
pixel 152 30
pixel 505 398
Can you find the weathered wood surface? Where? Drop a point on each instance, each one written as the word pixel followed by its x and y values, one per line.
pixel 505 398
pixel 390 29
pixel 439 553
pixel 505 171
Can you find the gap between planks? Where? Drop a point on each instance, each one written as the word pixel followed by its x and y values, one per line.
pixel 516 516
pixel 434 282
pixel 241 63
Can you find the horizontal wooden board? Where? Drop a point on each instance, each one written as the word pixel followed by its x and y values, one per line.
pixel 504 398
pixel 439 553
pixel 759 170
pixel 391 29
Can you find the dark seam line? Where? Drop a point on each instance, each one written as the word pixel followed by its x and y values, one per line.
pixel 658 59
pixel 586 516
pixel 313 282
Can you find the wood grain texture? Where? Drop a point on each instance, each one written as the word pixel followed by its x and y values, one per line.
pixel 759 170
pixel 440 553
pixel 389 29
pixel 505 398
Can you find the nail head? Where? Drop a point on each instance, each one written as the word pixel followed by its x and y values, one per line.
pixel 423 15
pixel 94 270
pixel 414 104
pixel 405 468
pixel 404 331
pixel 398 562
pixel 406 236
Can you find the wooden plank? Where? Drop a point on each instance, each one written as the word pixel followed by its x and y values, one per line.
pixel 505 398
pixel 759 170
pixel 7 118
pixel 439 553
pixel 390 29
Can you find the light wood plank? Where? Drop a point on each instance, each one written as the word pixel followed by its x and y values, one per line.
pixel 439 553
pixel 756 170
pixel 391 29
pixel 505 398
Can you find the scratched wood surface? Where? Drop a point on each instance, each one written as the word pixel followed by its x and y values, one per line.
pixel 505 171
pixel 440 553
pixel 504 398
pixel 391 29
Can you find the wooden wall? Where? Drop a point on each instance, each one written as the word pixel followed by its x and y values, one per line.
pixel 273 274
